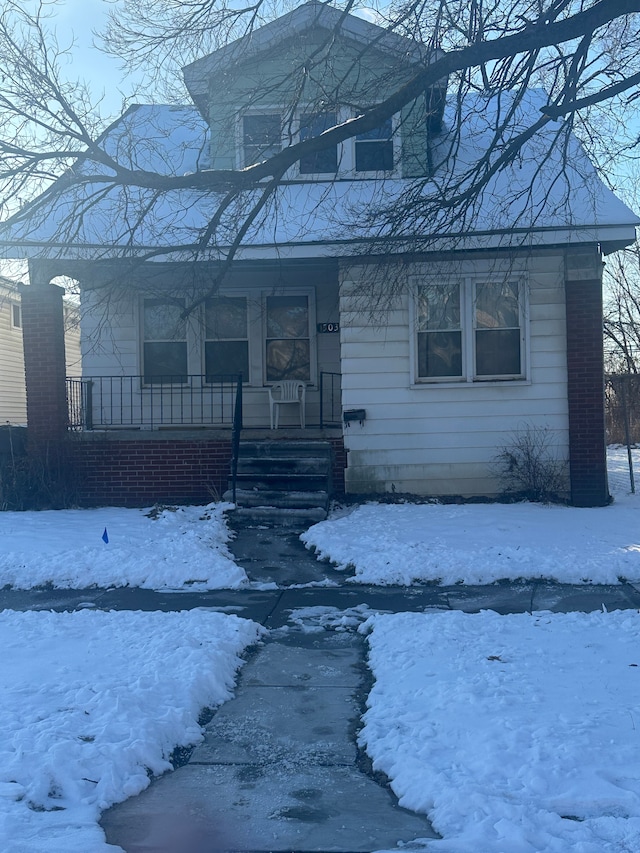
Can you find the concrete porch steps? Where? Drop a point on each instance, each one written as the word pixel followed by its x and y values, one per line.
pixel 283 475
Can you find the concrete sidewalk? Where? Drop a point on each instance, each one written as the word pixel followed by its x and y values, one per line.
pixel 274 555
pixel 272 608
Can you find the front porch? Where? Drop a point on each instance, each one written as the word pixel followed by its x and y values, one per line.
pixel 174 465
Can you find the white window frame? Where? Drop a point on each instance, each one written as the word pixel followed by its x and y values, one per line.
pixel 468 285
pixel 310 293
pixel 346 151
pixel 248 297
pixel 143 340
pixel 343 167
pixel 397 154
pixel 257 111
pixel 15 308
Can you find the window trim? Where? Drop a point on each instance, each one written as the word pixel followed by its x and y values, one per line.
pixel 346 150
pixel 309 292
pixel 15 308
pixel 247 380
pixel 467 285
pixel 241 162
pixel 143 340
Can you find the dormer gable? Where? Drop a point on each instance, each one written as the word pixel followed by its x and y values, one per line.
pixel 298 75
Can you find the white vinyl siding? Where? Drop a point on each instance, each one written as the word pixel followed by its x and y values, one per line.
pixel 13 396
pixel 442 438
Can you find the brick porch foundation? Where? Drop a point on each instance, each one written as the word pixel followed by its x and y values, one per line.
pixel 132 472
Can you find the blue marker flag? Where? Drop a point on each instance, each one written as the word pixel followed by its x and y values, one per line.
pixel 105 536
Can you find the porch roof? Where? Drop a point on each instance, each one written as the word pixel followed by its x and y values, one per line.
pixel 551 195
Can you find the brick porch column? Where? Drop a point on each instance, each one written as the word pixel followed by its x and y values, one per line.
pixel 44 360
pixel 585 377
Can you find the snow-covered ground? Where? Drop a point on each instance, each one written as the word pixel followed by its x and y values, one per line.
pixel 91 703
pixel 515 734
pixel 184 547
pixel 483 543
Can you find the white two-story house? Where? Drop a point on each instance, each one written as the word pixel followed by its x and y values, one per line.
pixel 424 348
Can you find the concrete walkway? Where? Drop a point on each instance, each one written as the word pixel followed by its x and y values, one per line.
pixel 279 770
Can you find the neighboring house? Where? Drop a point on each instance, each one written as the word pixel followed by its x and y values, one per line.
pixel 13 396
pixel 482 333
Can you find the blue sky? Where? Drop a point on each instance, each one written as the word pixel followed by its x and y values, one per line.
pixel 76 20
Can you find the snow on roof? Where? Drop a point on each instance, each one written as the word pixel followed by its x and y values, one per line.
pixel 170 140
pixel 549 195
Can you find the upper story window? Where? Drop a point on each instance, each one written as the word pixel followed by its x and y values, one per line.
pixel 324 161
pixel 374 149
pixel 16 316
pixel 373 152
pixel 261 137
pixel 470 330
pixel 165 341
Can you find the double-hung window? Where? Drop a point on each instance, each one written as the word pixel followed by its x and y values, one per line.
pixel 288 350
pixel 324 161
pixel 226 346
pixel 470 330
pixel 374 149
pixel 16 315
pixel 165 341
pixel 261 137
pixel 439 331
pixel 497 332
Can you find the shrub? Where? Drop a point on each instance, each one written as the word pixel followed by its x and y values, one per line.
pixel 529 467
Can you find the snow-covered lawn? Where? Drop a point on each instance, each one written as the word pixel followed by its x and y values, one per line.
pixel 515 734
pixel 90 702
pixel 482 543
pixel 181 548
pixel 186 547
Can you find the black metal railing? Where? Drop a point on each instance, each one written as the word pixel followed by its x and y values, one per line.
pixel 96 402
pixel 77 408
pixel 235 437
pixel 330 399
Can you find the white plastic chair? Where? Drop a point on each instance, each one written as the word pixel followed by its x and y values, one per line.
pixel 286 393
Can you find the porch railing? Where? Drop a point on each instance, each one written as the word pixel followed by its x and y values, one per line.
pixel 235 437
pixel 102 402
pixel 330 399
pixel 98 402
